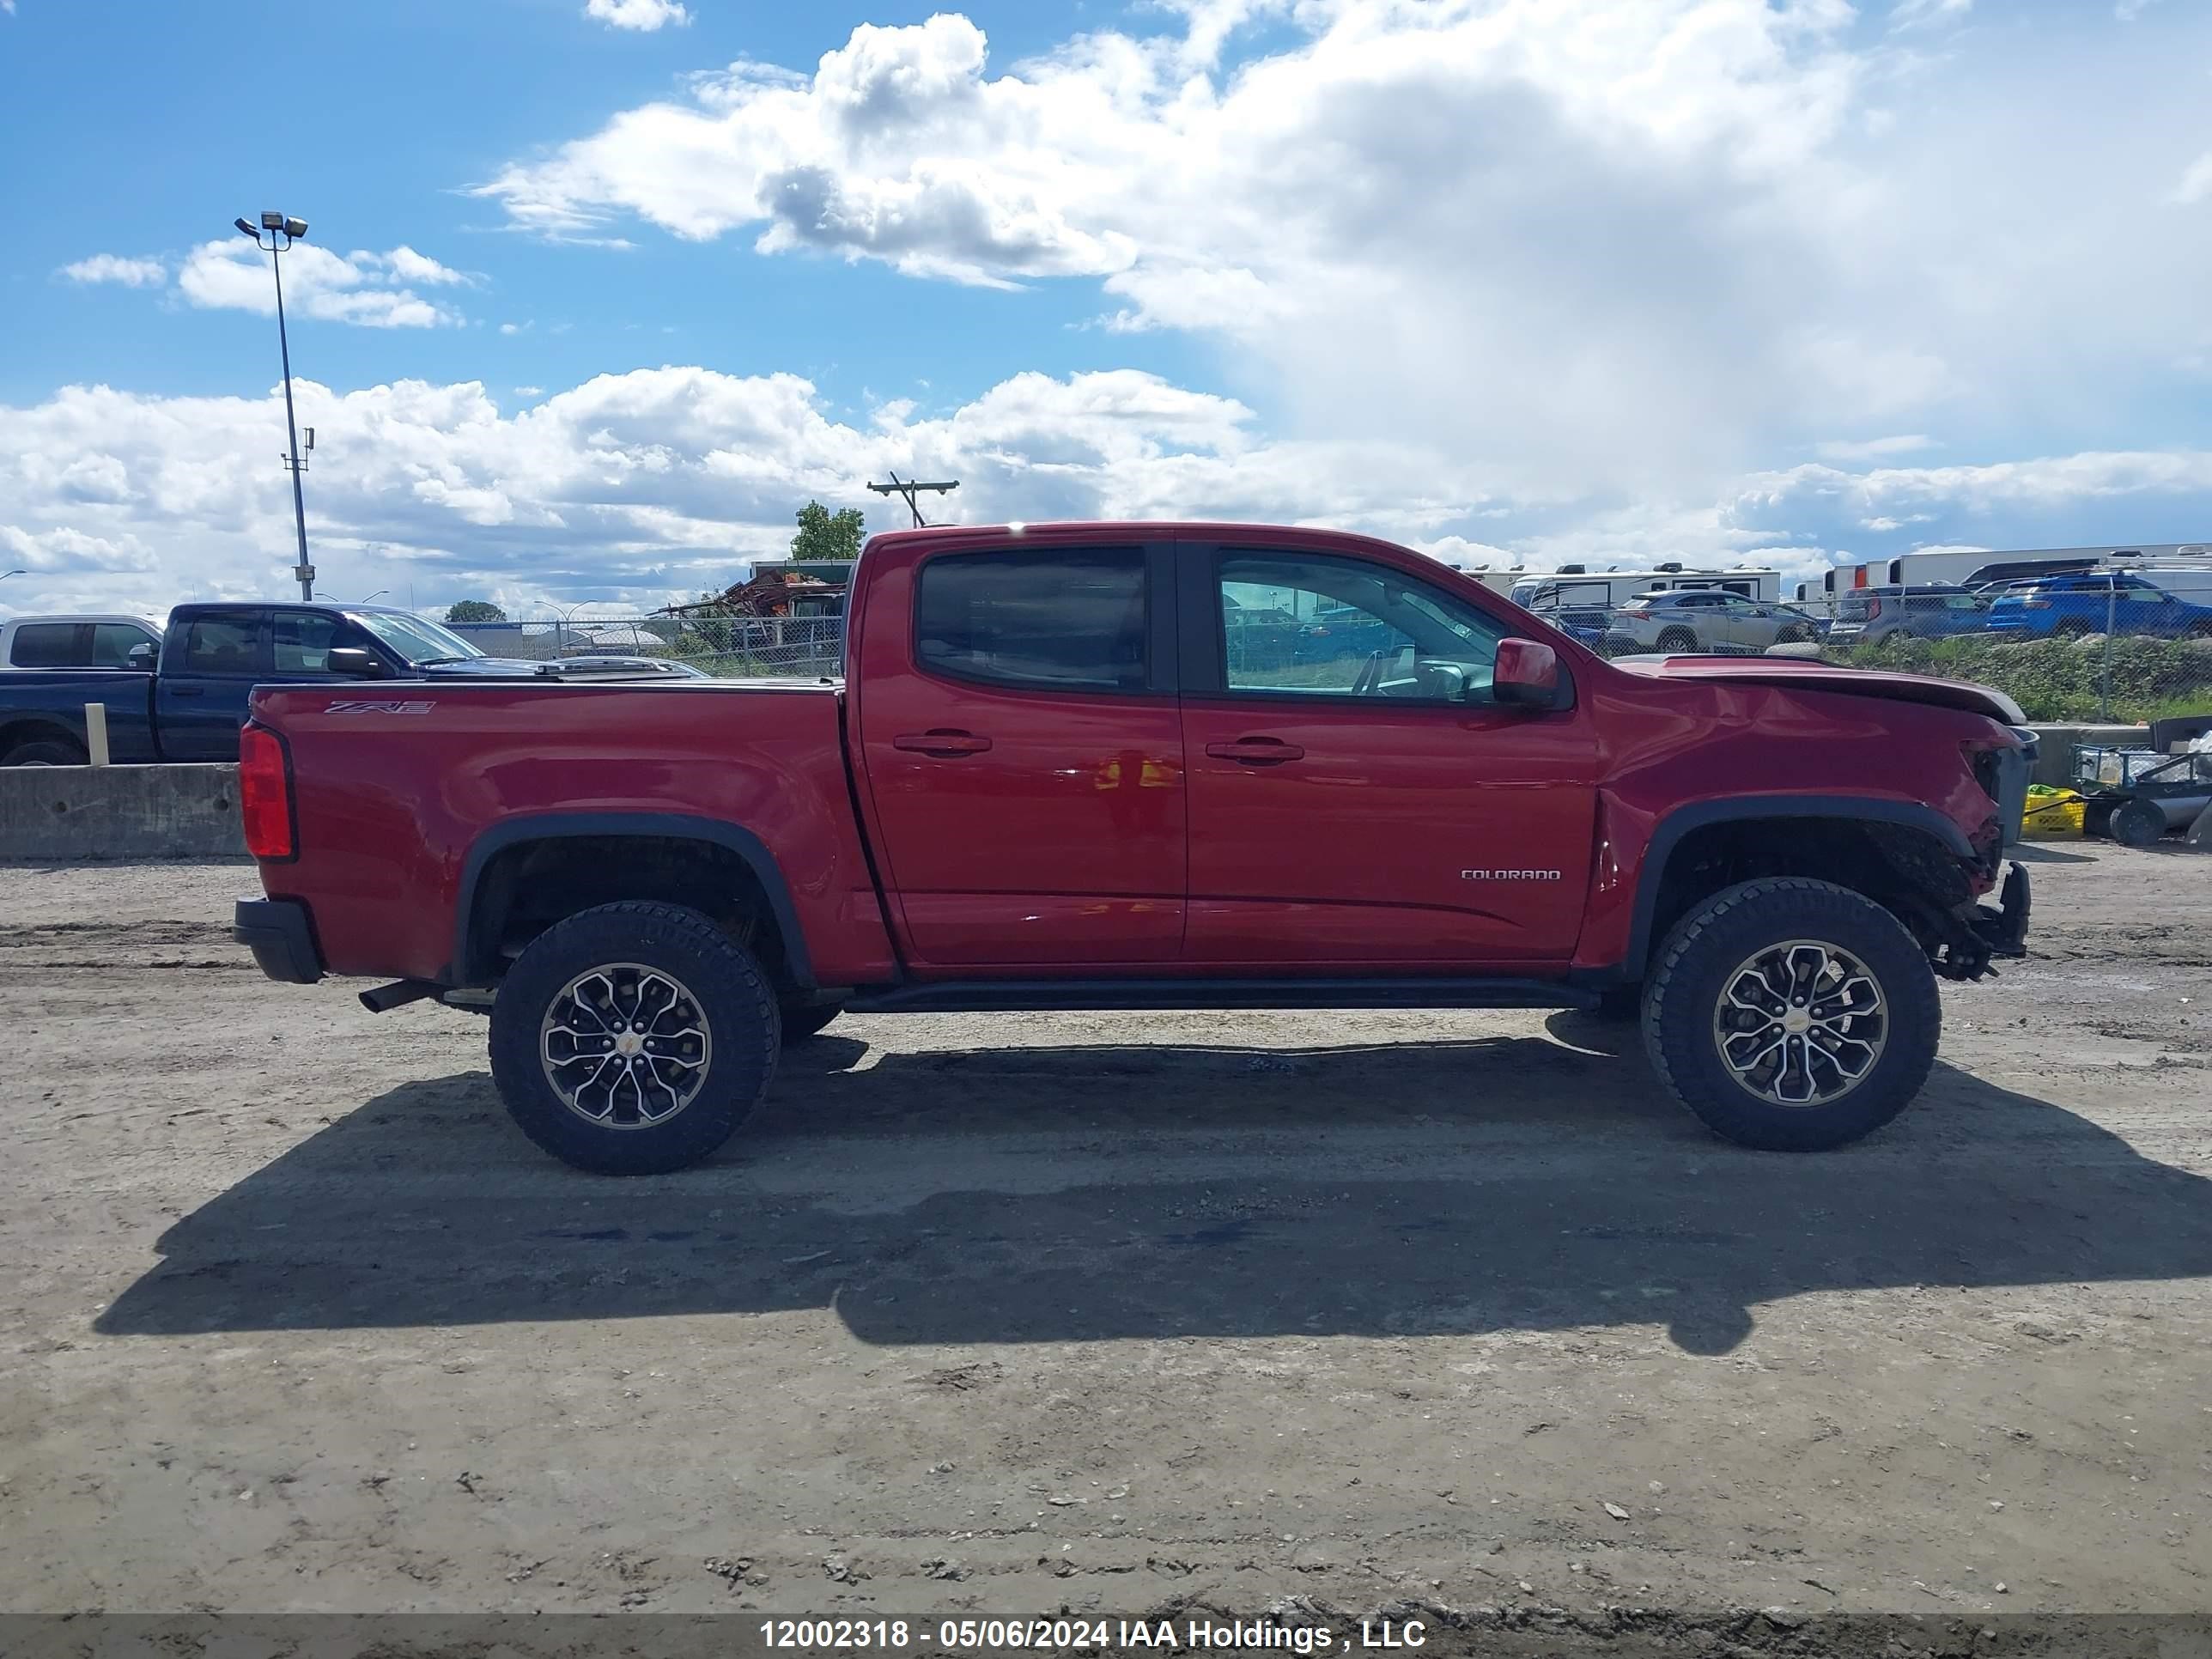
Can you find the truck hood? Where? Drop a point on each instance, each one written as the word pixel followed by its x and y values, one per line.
pixel 1794 674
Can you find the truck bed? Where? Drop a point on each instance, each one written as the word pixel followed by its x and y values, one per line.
pixel 408 789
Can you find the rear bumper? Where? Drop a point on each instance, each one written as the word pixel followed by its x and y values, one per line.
pixel 282 936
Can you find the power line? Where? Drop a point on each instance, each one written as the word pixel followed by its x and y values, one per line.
pixel 908 489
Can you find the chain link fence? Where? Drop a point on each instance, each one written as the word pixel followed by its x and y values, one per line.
pixel 2070 652
pixel 2073 651
pixel 728 648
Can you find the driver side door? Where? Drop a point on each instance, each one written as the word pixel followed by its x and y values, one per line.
pixel 1366 805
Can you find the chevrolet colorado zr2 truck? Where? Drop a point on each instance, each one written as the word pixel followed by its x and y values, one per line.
pixel 1054 776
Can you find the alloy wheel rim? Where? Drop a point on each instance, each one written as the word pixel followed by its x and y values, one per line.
pixel 625 1046
pixel 1802 1022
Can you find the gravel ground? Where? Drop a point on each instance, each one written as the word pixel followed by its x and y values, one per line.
pixel 1004 1314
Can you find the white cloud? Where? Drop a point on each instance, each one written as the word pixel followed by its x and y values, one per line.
pixel 114 268
pixel 2197 183
pixel 1869 449
pixel 362 287
pixel 1597 247
pixel 1921 14
pixel 637 487
pixel 644 16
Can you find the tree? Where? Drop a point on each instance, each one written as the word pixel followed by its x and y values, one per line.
pixel 826 535
pixel 475 610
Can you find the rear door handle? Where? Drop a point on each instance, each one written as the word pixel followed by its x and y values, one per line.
pixel 188 690
pixel 943 744
pixel 1256 751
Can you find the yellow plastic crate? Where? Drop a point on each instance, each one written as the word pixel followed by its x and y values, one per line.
pixel 2053 814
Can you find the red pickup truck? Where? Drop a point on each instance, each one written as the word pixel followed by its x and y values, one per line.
pixel 1147 766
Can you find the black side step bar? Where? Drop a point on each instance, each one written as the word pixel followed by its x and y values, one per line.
pixel 1100 995
pixel 397 994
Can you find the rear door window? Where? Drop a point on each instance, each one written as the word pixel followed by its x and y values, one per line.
pixel 1055 619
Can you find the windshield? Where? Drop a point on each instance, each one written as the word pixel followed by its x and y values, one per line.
pixel 414 639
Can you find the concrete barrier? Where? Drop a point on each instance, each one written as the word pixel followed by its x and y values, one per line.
pixel 119 812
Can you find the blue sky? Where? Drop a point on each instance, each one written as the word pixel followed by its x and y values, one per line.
pixel 597 292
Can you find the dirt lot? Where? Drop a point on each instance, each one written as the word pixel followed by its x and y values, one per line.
pixel 1005 1314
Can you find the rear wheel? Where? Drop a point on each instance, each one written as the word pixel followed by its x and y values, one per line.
pixel 634 1038
pixel 1677 638
pixel 46 751
pixel 1792 1015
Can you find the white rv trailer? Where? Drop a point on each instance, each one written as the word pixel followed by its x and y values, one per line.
pixel 1989 564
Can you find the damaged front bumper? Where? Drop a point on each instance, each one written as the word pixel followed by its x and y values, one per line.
pixel 1976 935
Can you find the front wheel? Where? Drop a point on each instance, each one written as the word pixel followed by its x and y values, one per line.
pixel 634 1038
pixel 1792 1015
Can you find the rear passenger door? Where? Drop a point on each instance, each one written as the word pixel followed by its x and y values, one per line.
pixel 1022 750
pixel 207 678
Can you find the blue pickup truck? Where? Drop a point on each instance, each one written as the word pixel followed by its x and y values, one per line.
pixel 188 703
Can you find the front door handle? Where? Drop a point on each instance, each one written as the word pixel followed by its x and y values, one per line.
pixel 1256 751
pixel 944 745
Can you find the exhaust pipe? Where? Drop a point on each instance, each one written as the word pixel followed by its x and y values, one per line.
pixel 397 994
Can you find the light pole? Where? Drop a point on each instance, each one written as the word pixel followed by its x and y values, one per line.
pixel 281 232
pixel 4 575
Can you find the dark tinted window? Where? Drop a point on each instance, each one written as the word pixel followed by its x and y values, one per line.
pixel 111 643
pixel 1049 619
pixel 45 645
pixel 220 645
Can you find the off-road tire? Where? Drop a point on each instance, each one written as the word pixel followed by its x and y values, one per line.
pixel 2136 823
pixel 1687 982
pixel 803 1020
pixel 734 999
pixel 45 751
pixel 1677 638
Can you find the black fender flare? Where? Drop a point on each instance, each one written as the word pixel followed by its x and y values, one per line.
pixel 1669 832
pixel 467 969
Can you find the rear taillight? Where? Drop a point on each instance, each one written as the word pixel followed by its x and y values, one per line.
pixel 264 793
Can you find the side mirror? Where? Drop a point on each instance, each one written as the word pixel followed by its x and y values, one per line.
pixel 142 656
pixel 355 663
pixel 1526 675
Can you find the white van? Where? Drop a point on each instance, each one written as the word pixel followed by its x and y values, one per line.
pixel 86 640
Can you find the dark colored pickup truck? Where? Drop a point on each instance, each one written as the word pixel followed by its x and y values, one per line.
pixel 1057 776
pixel 189 704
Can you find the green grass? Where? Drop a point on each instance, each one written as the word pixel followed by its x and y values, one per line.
pixel 2062 680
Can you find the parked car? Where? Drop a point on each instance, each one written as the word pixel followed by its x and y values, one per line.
pixel 1044 784
pixel 1705 620
pixel 1927 610
pixel 2095 602
pixel 91 640
pixel 185 701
